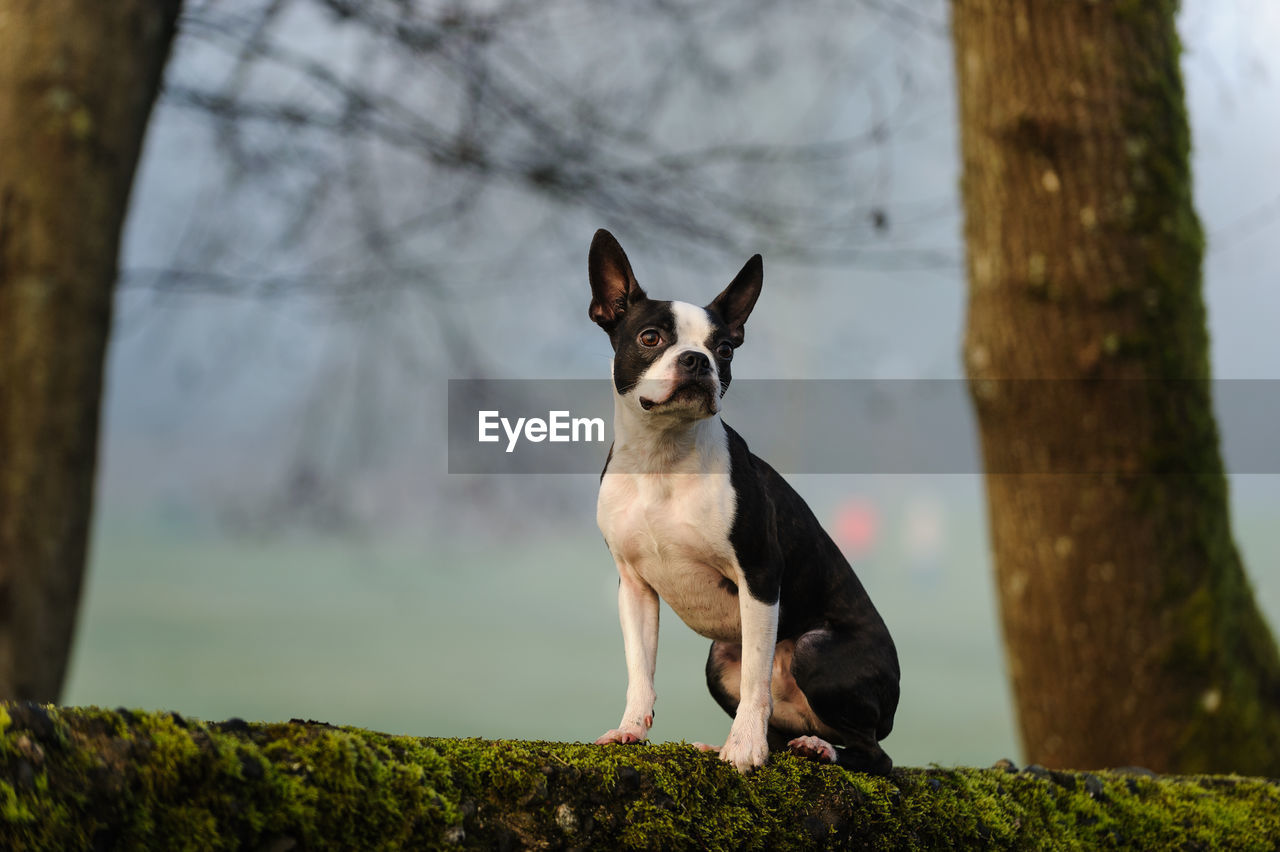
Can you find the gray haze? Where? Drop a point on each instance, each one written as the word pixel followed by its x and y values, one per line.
pixel 214 396
pixel 373 588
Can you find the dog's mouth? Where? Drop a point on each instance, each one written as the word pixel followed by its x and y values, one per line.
pixel 691 391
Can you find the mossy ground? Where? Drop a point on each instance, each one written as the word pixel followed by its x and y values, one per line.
pixel 86 778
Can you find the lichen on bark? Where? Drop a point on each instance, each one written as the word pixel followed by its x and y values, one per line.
pixel 83 778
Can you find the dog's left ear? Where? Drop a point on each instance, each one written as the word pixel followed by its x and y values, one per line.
pixel 735 303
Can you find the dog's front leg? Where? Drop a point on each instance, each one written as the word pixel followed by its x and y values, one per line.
pixel 748 746
pixel 638 612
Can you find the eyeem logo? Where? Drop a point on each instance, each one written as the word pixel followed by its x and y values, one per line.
pixel 559 427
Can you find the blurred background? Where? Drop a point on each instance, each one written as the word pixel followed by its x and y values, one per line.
pixel 343 205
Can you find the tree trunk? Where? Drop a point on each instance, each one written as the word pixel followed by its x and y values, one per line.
pixel 89 778
pixel 1131 633
pixel 77 80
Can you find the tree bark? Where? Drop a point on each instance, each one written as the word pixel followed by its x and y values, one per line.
pixel 77 81
pixel 1131 633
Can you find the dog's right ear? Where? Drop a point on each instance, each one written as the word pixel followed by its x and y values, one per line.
pixel 613 285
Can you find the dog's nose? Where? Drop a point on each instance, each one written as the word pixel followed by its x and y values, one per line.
pixel 695 362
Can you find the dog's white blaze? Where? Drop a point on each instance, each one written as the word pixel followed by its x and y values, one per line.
pixel 693 327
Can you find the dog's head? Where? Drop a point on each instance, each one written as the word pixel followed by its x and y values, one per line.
pixel 670 358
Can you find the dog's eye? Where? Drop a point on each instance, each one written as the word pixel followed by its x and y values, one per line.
pixel 724 351
pixel 650 337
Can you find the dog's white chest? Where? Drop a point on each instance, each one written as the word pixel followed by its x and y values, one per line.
pixel 672 531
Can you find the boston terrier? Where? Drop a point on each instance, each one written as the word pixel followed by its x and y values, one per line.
pixel 799 656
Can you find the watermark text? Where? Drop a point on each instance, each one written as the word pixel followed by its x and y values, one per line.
pixel 559 427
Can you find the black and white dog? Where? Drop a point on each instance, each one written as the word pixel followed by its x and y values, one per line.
pixel 799 654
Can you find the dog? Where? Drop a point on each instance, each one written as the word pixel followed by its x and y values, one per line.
pixel 800 658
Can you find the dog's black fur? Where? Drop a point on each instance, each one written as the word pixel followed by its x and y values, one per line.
pixel 844 661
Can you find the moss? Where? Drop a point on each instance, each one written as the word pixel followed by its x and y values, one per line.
pixel 1223 646
pixel 68 114
pixel 1161 215
pixel 158 781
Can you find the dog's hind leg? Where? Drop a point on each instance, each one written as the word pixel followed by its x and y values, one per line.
pixel 724 675
pixel 724 680
pixel 852 690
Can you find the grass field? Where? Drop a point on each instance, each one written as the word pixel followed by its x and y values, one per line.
pixel 495 639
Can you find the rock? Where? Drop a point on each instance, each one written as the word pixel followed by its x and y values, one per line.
pixel 1038 771
pixel 566 819
pixel 234 725
pixel 250 766
pixel 1093 786
pixel 1140 771
pixel 31 750
pixel 628 780
pixel 29 716
pixel 817 829
pixel 24 777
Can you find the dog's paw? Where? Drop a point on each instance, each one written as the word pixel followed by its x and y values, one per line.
pixel 620 736
pixel 744 753
pixel 814 748
pixel 703 747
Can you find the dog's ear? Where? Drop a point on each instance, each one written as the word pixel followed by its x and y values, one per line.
pixel 735 303
pixel 613 285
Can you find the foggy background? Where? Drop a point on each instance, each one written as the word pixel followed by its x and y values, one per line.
pixel 276 534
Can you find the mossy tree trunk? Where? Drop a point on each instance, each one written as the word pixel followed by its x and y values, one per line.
pixel 84 778
pixel 77 81
pixel 1131 632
